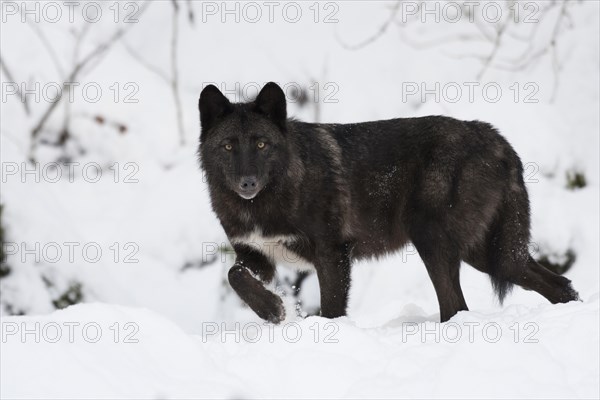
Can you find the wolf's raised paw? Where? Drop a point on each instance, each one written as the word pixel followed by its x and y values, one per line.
pixel 273 311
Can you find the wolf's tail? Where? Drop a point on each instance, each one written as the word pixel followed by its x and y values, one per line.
pixel 508 253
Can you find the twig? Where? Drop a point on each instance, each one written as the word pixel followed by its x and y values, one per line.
pixel 44 40
pixel 11 79
pixel 439 41
pixel 78 67
pixel 490 58
pixel 380 32
pixel 140 59
pixel 65 131
pixel 171 79
pixel 175 72
pixel 191 16
pixel 556 67
pixel 97 51
pixel 529 57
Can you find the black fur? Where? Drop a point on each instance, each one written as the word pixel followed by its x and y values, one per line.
pixel 333 193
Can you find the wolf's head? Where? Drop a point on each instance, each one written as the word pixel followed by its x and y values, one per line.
pixel 243 146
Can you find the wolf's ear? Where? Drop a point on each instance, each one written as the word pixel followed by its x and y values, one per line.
pixel 271 103
pixel 212 105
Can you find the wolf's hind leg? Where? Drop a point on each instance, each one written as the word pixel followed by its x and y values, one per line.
pixel 442 261
pixel 530 275
pixel 555 288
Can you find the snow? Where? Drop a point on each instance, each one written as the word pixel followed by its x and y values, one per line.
pixel 158 213
pixel 514 353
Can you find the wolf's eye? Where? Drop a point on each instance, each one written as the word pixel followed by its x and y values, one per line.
pixel 260 145
pixel 228 147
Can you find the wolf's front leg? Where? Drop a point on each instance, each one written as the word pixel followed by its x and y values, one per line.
pixel 333 271
pixel 251 264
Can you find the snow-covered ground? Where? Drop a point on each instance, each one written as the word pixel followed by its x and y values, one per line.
pixel 106 351
pixel 154 218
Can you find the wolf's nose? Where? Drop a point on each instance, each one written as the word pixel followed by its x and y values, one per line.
pixel 248 183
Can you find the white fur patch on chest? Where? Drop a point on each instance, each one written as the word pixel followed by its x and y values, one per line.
pixel 274 248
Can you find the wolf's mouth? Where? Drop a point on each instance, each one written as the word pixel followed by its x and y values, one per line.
pixel 248 196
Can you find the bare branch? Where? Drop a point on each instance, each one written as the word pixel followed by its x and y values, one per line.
pixel 497 41
pixel 190 8
pixel 529 57
pixel 171 79
pixel 380 32
pixel 76 70
pixel 152 68
pixel 175 72
pixel 425 44
pixel 96 53
pixel 484 31
pixel 10 78
pixel 44 40
pixel 508 28
pixel 79 36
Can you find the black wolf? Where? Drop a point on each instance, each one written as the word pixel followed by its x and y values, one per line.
pixel 327 194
